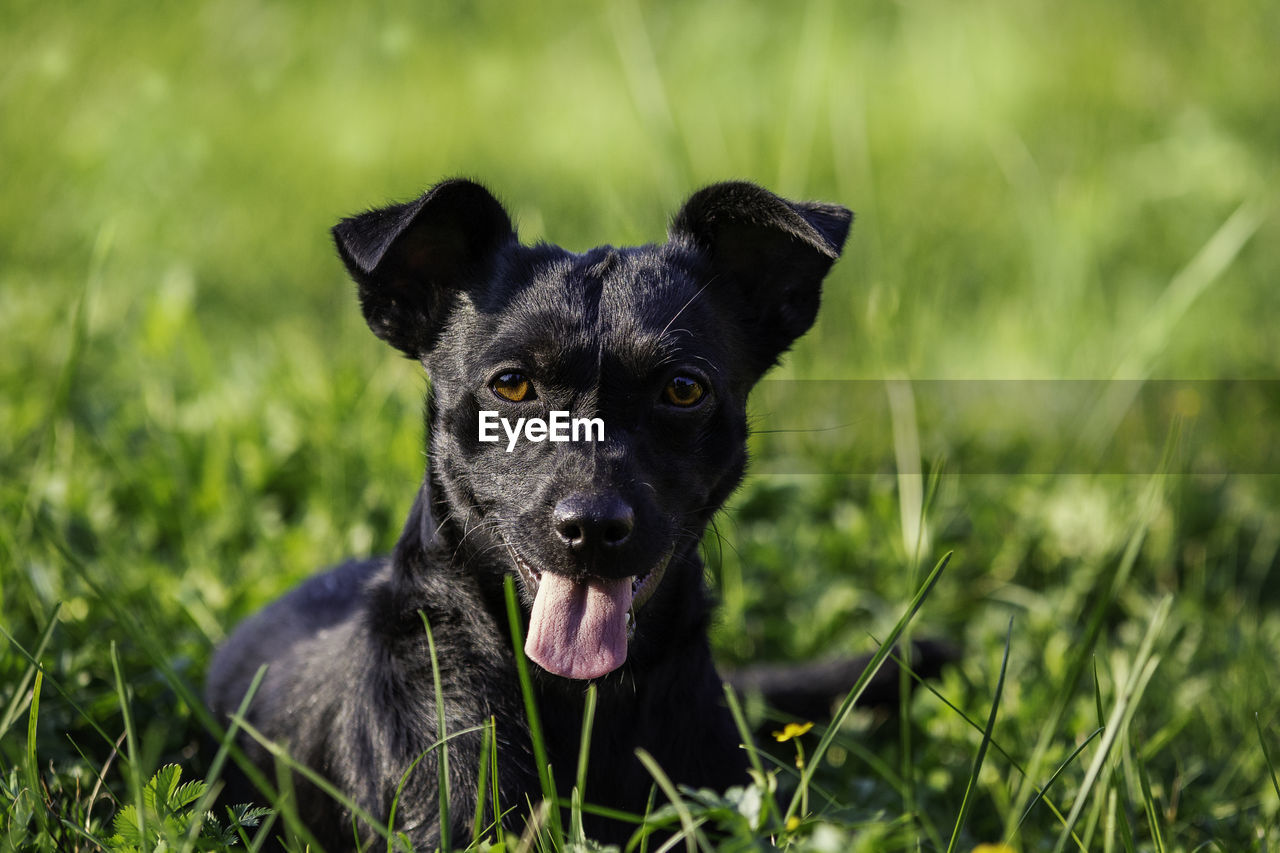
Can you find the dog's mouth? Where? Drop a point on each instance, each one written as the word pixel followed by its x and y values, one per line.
pixel 580 629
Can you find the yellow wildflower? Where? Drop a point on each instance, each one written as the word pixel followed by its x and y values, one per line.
pixel 994 848
pixel 791 730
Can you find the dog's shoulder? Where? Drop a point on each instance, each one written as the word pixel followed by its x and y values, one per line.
pixel 322 610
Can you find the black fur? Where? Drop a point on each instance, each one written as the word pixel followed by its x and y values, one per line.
pixel 601 334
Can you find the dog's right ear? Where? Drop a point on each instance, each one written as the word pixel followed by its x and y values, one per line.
pixel 768 257
pixel 410 260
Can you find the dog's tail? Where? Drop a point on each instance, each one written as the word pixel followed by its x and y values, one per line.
pixel 810 691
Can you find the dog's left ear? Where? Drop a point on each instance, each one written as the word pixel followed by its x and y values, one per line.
pixel 410 260
pixel 768 257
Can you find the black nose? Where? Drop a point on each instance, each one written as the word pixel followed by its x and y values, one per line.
pixel 586 522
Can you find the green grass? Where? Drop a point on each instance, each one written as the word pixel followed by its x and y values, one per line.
pixel 193 417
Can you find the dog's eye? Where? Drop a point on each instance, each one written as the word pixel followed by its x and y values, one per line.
pixel 514 387
pixel 683 391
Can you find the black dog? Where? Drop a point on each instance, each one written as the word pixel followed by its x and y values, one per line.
pixel 648 355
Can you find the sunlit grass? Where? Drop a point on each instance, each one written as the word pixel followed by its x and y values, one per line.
pixel 193 416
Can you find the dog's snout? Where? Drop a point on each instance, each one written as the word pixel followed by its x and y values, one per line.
pixel 588 522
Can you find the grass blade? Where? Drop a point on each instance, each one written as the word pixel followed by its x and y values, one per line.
pixel 689 829
pixel 584 748
pixel 286 762
pixel 14 707
pixel 1040 794
pixel 887 774
pixel 1152 809
pixel 393 837
pixel 1144 666
pixel 493 783
pixel 967 802
pixel 33 767
pixel 63 694
pixel 131 749
pixel 442 763
pixel 159 656
pixel 79 334
pixel 1266 754
pixel 770 810
pixel 286 799
pixel 531 711
pixel 612 814
pixel 482 779
pixel 861 684
pixel 1085 647
pixel 283 760
pixel 220 758
pixel 1147 341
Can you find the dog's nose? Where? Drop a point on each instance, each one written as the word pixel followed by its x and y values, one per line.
pixel 588 522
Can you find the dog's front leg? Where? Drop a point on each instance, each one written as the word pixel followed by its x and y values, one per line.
pixel 403 743
pixel 414 804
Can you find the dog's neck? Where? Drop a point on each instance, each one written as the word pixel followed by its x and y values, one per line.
pixel 419 531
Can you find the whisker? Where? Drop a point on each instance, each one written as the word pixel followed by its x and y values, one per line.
pixel 686 305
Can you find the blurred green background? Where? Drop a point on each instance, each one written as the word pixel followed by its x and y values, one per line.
pixel 193 416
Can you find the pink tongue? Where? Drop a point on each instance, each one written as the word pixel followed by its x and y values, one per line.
pixel 579 630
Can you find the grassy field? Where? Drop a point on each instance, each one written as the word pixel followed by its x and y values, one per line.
pixel 193 416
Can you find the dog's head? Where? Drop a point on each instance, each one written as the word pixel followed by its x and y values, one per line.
pixel 588 412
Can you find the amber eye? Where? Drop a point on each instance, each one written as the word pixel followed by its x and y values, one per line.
pixel 683 391
pixel 514 387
